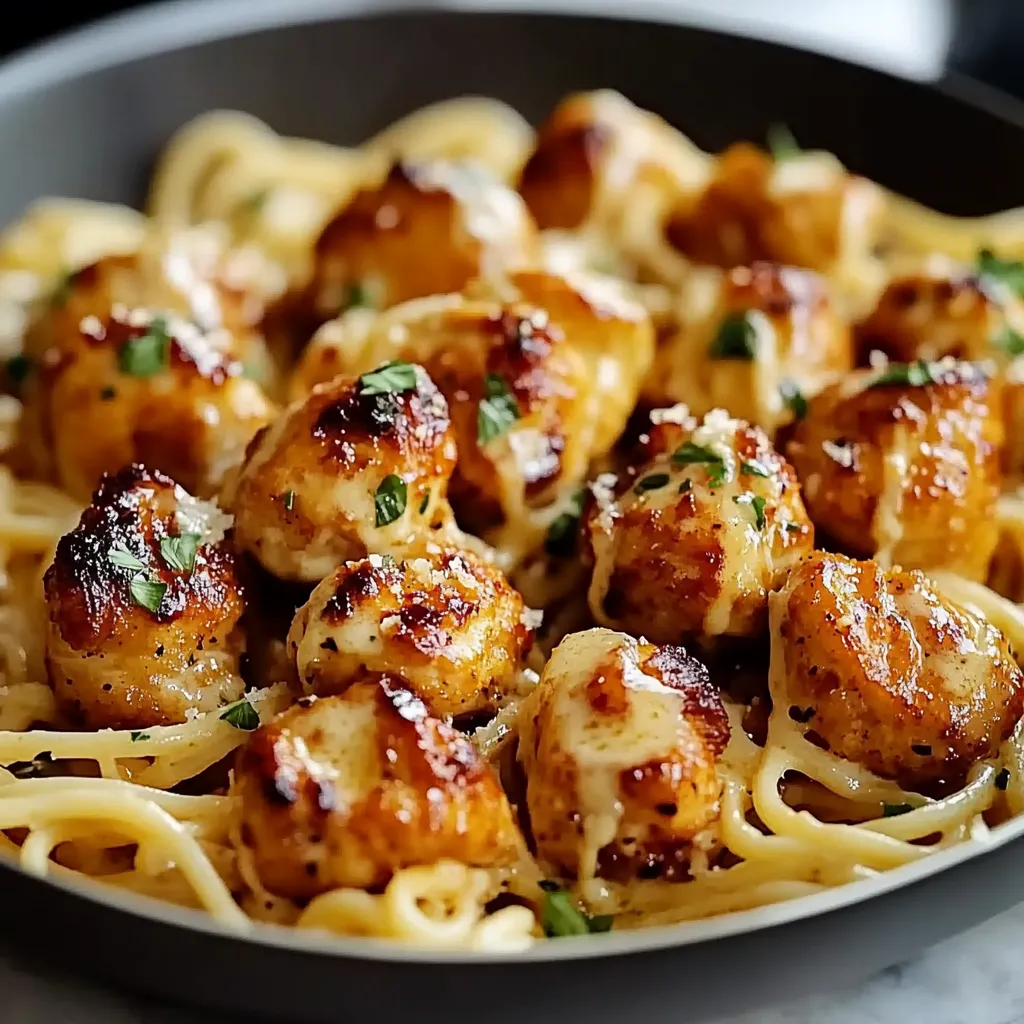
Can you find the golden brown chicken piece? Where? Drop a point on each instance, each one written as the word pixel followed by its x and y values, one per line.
pixel 448 623
pixel 144 600
pixel 146 387
pixel 346 790
pixel 943 311
pixel 534 396
pixel 691 542
pixel 804 210
pixel 890 674
pixel 362 464
pixel 903 464
pixel 759 341
pixel 426 230
pixel 192 273
pixel 619 745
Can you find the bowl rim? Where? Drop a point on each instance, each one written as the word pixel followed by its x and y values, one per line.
pixel 182 24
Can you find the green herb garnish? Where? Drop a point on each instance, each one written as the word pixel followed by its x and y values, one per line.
pixel 915 374
pixel 561 917
pixel 651 483
pixel 689 454
pixel 395 376
pixel 390 499
pixel 1010 341
pixel 425 503
pixel 794 398
pixel 781 143
pixel 498 409
pixel 894 810
pixel 242 716
pixel 120 556
pixel 1003 779
pixel 757 503
pixel 1007 272
pixel 147 354
pixel 357 295
pixel 685 486
pixel 147 592
pixel 289 500
pixel 180 552
pixel 736 338
pixel 138 737
pixel 561 537
pixel 753 469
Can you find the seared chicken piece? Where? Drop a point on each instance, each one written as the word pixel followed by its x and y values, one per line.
pixel 346 790
pixel 888 673
pixel 619 744
pixel 144 600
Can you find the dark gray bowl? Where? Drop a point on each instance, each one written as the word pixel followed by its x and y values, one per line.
pixel 84 116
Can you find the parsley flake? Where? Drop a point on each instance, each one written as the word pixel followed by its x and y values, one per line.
pixel 1003 779
pixel 289 500
pixel 1007 272
pixel 425 503
pixel 796 401
pixel 781 143
pixel 390 499
pixel 561 917
pixel 689 454
pixel 1010 341
pixel 754 469
pixel 147 354
pixel 915 374
pixel 357 295
pixel 138 737
pixel 390 378
pixel 686 486
pixel 895 810
pixel 561 536
pixel 242 715
pixel 736 338
pixel 651 483
pixel 146 592
pixel 757 503
pixel 180 552
pixel 498 409
pixel 120 556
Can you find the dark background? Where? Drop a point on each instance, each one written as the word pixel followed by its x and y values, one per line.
pixel 988 42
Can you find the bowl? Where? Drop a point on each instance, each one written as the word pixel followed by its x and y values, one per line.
pixel 85 115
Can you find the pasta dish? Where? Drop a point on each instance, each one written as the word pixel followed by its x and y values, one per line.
pixel 483 535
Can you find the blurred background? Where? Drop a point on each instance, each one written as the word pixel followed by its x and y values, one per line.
pixel 916 38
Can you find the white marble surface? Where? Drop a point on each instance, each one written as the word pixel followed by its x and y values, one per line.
pixel 976 978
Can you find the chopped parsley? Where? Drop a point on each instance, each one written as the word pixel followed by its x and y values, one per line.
pixel 689 454
pixel 686 486
pixel 915 374
pixel 1003 779
pixel 651 483
pixel 357 295
pixel 180 552
pixel 736 338
pixel 289 500
pixel 754 469
pixel 146 592
pixel 120 556
pixel 395 376
pixel 561 537
pixel 1010 341
pixel 425 503
pixel 1007 272
pixel 781 143
pixel 498 409
pixel 894 810
pixel 138 737
pixel 561 917
pixel 390 499
pixel 757 503
pixel 241 715
pixel 796 401
pixel 147 354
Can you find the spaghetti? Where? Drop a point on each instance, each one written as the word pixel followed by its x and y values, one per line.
pixel 152 809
